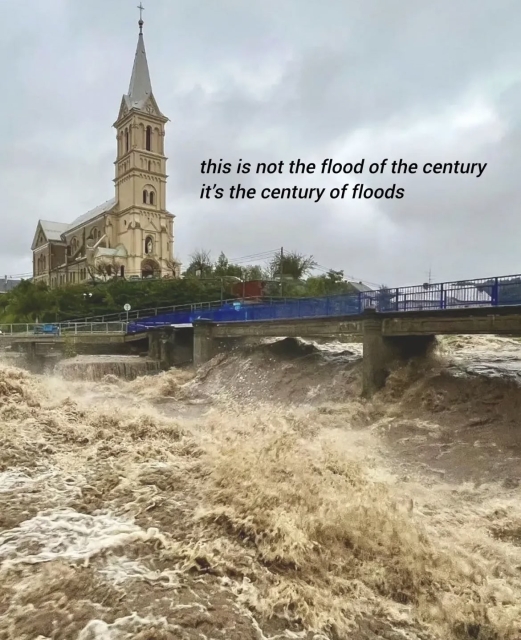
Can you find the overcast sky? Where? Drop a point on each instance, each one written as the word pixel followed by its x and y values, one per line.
pixel 271 80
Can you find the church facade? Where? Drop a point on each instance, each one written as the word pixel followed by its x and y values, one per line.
pixel 132 234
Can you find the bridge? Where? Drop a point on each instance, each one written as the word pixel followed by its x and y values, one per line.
pixel 393 323
pixel 463 294
pixel 388 337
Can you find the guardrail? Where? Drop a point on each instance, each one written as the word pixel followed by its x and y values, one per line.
pixel 179 308
pixel 483 292
pixel 62 329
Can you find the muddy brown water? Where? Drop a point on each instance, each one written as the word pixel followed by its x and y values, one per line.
pixel 262 498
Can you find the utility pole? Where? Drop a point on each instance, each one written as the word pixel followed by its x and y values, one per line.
pixel 281 267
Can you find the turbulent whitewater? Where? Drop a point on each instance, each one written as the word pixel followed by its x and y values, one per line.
pixel 263 499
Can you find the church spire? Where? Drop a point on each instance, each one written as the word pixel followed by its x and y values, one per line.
pixel 140 94
pixel 140 87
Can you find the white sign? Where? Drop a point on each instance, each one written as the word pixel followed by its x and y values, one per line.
pixel 127 307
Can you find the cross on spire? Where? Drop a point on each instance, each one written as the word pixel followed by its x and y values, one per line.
pixel 141 9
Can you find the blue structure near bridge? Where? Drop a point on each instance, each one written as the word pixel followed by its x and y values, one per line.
pixel 484 292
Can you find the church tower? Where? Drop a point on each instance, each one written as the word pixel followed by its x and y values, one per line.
pixel 141 222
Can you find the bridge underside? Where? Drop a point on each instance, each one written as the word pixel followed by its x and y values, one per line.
pixel 387 338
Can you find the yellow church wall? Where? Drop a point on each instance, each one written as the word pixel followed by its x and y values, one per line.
pixel 137 169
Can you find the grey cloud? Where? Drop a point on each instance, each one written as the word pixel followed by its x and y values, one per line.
pixel 276 81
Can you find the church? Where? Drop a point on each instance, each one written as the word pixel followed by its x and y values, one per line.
pixel 132 234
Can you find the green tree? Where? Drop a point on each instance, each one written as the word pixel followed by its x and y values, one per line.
pixel 384 298
pixel 31 302
pixel 291 265
pixel 200 261
pixel 255 272
pixel 223 267
pixel 330 283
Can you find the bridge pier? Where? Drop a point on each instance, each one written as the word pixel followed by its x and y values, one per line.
pixel 381 352
pixel 170 346
pixel 204 344
pixel 377 357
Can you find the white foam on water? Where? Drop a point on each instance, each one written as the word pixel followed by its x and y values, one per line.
pixel 123 628
pixel 13 479
pixel 120 569
pixel 68 535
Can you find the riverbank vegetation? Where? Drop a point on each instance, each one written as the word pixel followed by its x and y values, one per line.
pixel 290 275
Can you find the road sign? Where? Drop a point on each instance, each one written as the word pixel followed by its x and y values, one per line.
pixel 127 307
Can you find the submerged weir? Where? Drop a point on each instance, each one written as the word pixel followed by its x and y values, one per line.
pixel 95 368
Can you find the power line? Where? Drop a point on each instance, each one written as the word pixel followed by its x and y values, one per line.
pixel 265 255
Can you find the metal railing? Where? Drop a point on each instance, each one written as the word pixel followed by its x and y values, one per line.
pixel 195 306
pixel 57 330
pixel 482 292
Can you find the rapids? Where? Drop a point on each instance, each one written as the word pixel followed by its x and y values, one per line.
pixel 262 498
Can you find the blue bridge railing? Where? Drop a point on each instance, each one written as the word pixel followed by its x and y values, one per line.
pixel 483 292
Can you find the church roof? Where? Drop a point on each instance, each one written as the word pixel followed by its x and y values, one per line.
pixel 53 230
pixel 90 215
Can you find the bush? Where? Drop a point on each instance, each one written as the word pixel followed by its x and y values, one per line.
pixel 30 302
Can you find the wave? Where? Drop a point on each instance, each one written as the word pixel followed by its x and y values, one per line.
pixel 261 497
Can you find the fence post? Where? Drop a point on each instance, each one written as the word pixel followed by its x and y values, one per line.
pixel 442 296
pixel 397 299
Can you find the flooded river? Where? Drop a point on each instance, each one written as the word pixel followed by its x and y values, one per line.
pixel 264 499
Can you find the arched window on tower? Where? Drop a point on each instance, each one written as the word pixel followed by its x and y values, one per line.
pixel 149 138
pixel 127 140
pixel 152 194
pixel 145 197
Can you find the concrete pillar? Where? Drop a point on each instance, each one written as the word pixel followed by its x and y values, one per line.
pixel 167 347
pixel 154 341
pixel 376 357
pixel 381 352
pixel 204 344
